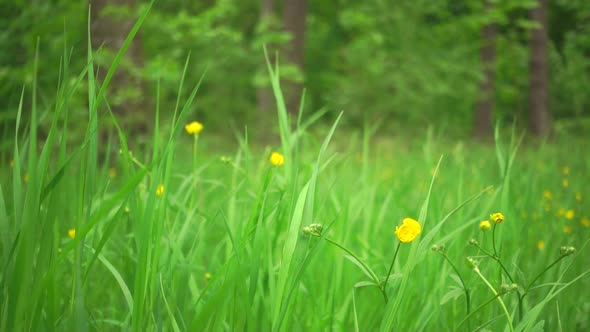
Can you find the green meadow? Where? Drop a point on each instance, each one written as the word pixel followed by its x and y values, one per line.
pixel 299 234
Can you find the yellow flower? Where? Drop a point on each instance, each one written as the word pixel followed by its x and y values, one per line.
pixel 484 225
pixel 579 197
pixel 497 217
pixel 408 231
pixel 194 128
pixel 561 212
pixel 72 233
pixel 112 172
pixel 565 183
pixel 277 159
pixel 585 222
pixel 26 178
pixel 541 244
pixel 160 190
pixel 567 229
pixel 565 170
pixel 547 194
pixel 570 214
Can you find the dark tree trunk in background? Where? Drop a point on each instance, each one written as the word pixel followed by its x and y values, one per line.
pixel 539 119
pixel 485 102
pixel 264 94
pixel 109 32
pixel 294 12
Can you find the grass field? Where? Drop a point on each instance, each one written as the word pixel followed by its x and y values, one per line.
pixel 186 237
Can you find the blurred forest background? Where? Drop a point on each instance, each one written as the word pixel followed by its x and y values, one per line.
pixel 457 65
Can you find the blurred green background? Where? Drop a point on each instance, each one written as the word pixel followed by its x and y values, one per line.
pixel 455 65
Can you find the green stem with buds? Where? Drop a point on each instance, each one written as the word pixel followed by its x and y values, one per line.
pixel 476 269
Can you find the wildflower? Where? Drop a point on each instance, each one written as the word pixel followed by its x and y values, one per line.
pixel 277 159
pixel 541 245
pixel 160 190
pixel 570 214
pixel 585 222
pixel 72 233
pixel 565 183
pixel 484 225
pixel 567 229
pixel 313 229
pixel 565 170
pixel 194 128
pixel 547 194
pixel 26 178
pixel 497 217
pixel 408 231
pixel 567 250
pixel 112 172
pixel 579 197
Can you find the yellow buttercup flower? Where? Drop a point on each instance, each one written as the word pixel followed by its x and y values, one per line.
pixel 565 170
pixel 541 244
pixel 194 128
pixel 160 190
pixel 561 212
pixel 112 172
pixel 497 217
pixel 547 194
pixel 570 214
pixel 585 222
pixel 567 229
pixel 484 225
pixel 408 231
pixel 277 159
pixel 565 183
pixel 72 233
pixel 579 197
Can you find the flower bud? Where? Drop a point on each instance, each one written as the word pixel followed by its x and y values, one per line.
pixel 484 225
pixel 567 250
pixel 473 242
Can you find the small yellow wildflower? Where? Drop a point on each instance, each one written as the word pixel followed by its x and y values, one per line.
pixel 547 194
pixel 160 190
pixel 72 233
pixel 585 222
pixel 26 178
pixel 560 212
pixel 565 183
pixel 277 159
pixel 112 172
pixel 567 229
pixel 194 128
pixel 541 245
pixel 570 214
pixel 408 231
pixel 497 217
pixel 565 170
pixel 484 225
pixel 579 197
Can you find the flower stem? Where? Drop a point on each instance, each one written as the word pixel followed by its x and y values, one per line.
pixel 467 299
pixel 476 269
pixel 475 311
pixel 375 278
pixel 540 274
pixel 383 289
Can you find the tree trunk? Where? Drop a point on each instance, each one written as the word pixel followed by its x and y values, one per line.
pixel 485 102
pixel 539 120
pixel 264 94
pixel 294 13
pixel 126 91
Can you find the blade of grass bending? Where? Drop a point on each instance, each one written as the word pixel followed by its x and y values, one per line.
pixel 120 281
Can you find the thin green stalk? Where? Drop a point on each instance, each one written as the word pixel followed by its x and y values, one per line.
pixel 476 269
pixel 467 299
pixel 375 278
pixel 476 310
pixel 494 240
pixel 383 288
pixel 540 274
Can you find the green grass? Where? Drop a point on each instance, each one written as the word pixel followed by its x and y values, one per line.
pixel 223 247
